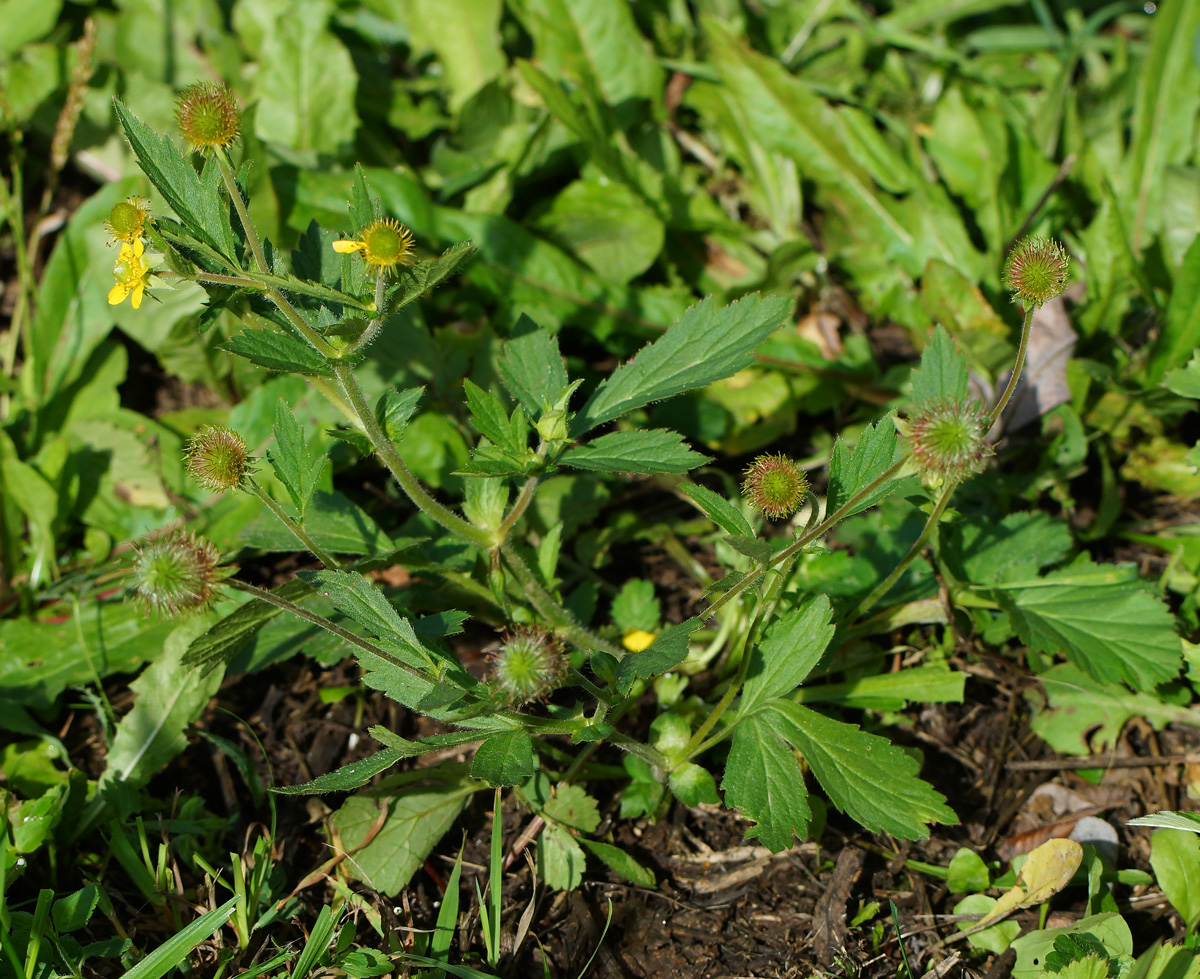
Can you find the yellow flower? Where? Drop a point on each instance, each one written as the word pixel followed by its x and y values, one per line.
pixel 637 639
pixel 384 243
pixel 131 273
pixel 127 220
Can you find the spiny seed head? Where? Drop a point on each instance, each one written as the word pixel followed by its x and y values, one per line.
pixel 385 244
pixel 176 573
pixel 529 665
pixel 1036 271
pixel 775 486
pixel 217 458
pixel 208 116
pixel 127 220
pixel 948 439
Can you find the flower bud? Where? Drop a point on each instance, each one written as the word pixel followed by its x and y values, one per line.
pixel 1036 271
pixel 217 459
pixel 529 665
pixel 208 116
pixel 176 573
pixel 947 439
pixel 775 486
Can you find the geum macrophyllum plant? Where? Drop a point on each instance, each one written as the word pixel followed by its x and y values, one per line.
pixel 559 689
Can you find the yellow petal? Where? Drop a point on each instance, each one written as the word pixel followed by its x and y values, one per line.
pixel 349 247
pixel 138 247
pixel 637 639
pixel 117 293
pixel 138 289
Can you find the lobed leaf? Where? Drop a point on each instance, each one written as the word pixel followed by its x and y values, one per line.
pixel 852 470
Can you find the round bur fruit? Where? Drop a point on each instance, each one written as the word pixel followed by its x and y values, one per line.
pixel 775 486
pixel 1036 271
pixel 208 116
pixel 947 439
pixel 176 574
pixel 529 665
pixel 127 219
pixel 217 459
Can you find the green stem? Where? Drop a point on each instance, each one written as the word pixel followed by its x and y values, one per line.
pixel 297 530
pixel 260 260
pixel 885 586
pixel 223 280
pixel 528 491
pixel 272 599
pixel 1018 366
pixel 386 451
pixel 559 619
pixel 336 400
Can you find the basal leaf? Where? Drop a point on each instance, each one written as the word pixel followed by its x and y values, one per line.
pixel 723 513
pixel 290 458
pixel 277 352
pixel 648 451
pixel 504 759
pixel 709 342
pixel 1017 547
pixel 942 372
pixel 865 776
pixel 666 651
pixel 788 652
pixel 1115 631
pixel 853 470
pixel 763 781
pixel 531 367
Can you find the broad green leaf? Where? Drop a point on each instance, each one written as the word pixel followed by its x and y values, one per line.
pixel 668 650
pixel 1017 547
pixel 1175 857
pixel 395 410
pixel 654 450
pixel 852 470
pixel 72 912
pixel 606 225
pixel 306 82
pixel 169 698
pixel 967 872
pixel 942 372
pixel 1185 381
pixel 1180 335
pixel 489 416
pixel 196 204
pixel 592 41
pixel 619 862
pixel 763 781
pixel 709 342
pixel 470 54
pixel 1115 631
pixel 334 521
pixel 416 820
pixel 636 606
pixel 891 691
pixel 419 279
pixel 531 367
pixel 1083 715
pixel 560 860
pixel 35 819
pixel 176 949
pixel 276 351
pixel 352 776
pixel 723 513
pixel 291 460
pixel 693 785
pixel 1109 928
pixel 504 759
pixel 865 776
pixel 788 652
pixel 223 641
pixel 573 807
pixel 999 936
pixel 25 21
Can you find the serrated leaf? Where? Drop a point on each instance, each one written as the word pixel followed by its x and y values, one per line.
pixel 352 776
pixel 289 283
pixel 788 652
pixel 865 776
pixel 763 781
pixel 560 860
pixel 395 410
pixel 649 451
pixel 1116 632
pixel 334 522
pixel 531 367
pixel 360 207
pixel 636 607
pixel 510 435
pixel 276 352
pixel 416 820
pixel 175 178
pixel 1016 547
pixel 708 343
pixel 487 460
pixel 504 759
pixel 290 458
pixel 853 470
pixel 418 279
pixel 573 807
pixel 757 550
pixel 221 643
pixel 942 372
pixel 668 650
pixel 723 513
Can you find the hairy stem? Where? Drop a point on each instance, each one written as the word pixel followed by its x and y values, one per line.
pixel 1018 366
pixel 297 530
pixel 528 491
